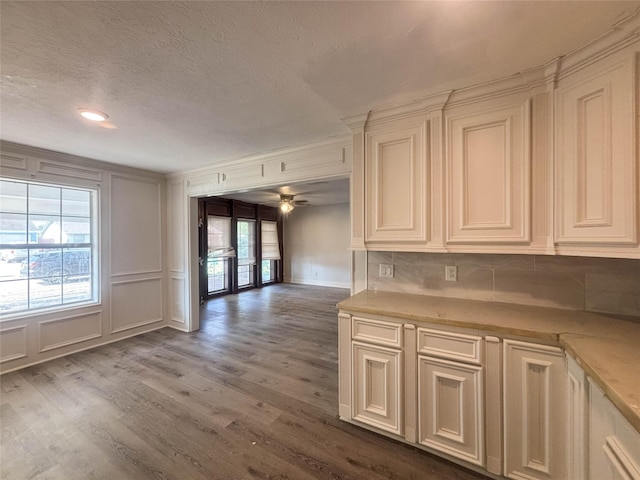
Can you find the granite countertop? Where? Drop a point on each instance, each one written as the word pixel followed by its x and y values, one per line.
pixel 607 347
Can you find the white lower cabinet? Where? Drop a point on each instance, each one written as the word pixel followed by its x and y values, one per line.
pixel 535 409
pixel 614 446
pixel 505 407
pixel 450 408
pixel 377 386
pixel 374 383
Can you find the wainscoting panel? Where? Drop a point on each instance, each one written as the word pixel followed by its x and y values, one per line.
pixel 136 225
pixel 13 343
pixel 175 225
pixel 177 299
pixel 135 303
pixel 59 333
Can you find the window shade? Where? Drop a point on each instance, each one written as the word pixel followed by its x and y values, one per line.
pixel 219 237
pixel 246 242
pixel 270 244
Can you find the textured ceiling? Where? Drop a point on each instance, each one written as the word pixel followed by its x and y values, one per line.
pixel 195 83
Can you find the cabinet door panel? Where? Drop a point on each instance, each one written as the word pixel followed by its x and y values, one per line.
pixel 396 185
pixel 534 411
pixel 488 197
pixel 577 434
pixel 614 452
pixel 596 178
pixel 450 408
pixel 377 384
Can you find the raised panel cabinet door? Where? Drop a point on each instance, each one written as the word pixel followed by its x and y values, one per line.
pixel 450 408
pixel 396 185
pixel 488 175
pixel 535 409
pixel 377 387
pixel 577 430
pixel 614 445
pixel 596 172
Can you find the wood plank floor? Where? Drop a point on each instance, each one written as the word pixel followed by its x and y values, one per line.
pixel 252 395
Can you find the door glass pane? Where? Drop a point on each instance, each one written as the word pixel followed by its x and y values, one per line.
pixel 268 271
pixel 218 253
pixel 246 252
pixel 217 275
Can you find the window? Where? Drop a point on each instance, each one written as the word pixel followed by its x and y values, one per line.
pixel 270 251
pixel 246 252
pixel 47 246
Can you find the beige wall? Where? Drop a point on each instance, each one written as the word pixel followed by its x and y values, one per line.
pixel 316 246
pixel 577 283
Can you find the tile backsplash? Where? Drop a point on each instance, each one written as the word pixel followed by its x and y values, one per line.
pixel 607 285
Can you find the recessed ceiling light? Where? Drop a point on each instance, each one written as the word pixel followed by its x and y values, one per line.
pixel 93 115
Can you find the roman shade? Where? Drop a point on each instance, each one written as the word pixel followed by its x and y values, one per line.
pixel 270 244
pixel 219 237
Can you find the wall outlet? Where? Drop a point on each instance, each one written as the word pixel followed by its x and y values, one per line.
pixel 451 273
pixel 386 270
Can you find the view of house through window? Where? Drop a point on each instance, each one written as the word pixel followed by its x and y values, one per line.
pixel 46 246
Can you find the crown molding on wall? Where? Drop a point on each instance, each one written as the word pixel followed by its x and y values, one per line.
pixel 295 152
pixel 14 154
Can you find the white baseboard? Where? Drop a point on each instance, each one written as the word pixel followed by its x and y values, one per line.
pixel 317 283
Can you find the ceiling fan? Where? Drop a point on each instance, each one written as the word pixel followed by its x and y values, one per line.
pixel 287 203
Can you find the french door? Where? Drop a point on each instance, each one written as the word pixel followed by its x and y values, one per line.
pixel 219 255
pixel 246 253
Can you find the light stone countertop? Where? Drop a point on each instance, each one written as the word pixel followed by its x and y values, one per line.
pixel 606 346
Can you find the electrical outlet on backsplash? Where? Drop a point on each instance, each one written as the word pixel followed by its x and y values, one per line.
pixel 605 285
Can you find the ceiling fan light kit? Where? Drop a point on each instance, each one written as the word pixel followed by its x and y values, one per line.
pixel 286 203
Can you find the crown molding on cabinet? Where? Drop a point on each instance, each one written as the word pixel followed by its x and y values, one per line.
pixel 622 34
pixel 422 106
pixel 357 122
pixel 544 77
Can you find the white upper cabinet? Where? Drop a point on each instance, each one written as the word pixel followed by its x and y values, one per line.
pixel 396 184
pixel 488 173
pixel 596 177
pixel 541 162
